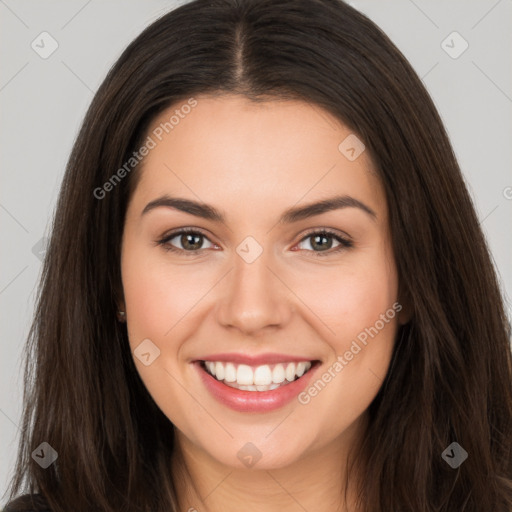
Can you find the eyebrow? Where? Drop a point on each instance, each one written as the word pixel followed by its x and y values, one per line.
pixel 290 216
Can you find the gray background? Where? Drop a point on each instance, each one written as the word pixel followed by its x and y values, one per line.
pixel 43 102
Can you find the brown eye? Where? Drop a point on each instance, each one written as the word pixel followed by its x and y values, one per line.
pixel 190 241
pixel 322 242
pixel 185 241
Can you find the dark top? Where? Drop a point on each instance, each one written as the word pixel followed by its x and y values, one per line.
pixel 28 503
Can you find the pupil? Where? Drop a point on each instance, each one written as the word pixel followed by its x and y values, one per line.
pixel 316 238
pixel 191 245
pixel 319 241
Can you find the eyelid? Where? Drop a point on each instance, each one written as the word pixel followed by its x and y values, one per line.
pixel 344 239
pixel 167 237
pixel 329 231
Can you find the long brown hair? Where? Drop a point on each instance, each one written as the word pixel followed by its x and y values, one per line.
pixel 450 379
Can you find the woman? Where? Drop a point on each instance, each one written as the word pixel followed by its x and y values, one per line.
pixel 266 286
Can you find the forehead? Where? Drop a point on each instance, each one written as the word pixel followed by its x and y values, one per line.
pixel 241 152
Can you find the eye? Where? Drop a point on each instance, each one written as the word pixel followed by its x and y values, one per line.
pixel 190 241
pixel 323 241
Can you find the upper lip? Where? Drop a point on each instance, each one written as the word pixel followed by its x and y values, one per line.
pixel 254 360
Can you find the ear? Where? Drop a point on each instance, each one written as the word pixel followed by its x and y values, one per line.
pixel 119 301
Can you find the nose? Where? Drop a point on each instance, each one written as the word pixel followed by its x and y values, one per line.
pixel 254 297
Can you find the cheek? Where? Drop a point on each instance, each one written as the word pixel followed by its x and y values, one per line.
pixel 355 306
pixel 157 295
pixel 349 298
pixel 156 300
pixel 358 305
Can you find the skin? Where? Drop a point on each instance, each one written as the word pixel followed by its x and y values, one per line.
pixel 252 161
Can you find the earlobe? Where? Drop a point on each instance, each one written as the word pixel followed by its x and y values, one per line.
pixel 120 305
pixel 121 311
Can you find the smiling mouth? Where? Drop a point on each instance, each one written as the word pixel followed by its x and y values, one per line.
pixel 265 377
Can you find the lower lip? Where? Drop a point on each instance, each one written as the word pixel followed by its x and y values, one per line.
pixel 254 401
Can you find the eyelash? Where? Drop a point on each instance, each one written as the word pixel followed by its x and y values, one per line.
pixel 344 242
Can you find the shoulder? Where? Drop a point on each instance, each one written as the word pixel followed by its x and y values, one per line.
pixel 28 503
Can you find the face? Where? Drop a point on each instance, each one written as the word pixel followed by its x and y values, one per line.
pixel 293 309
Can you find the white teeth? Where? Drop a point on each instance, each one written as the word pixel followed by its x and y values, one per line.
pixel 260 378
pixel 301 368
pixel 230 373
pixel 244 375
pixel 247 388
pixel 290 372
pixel 219 371
pixel 252 388
pixel 278 374
pixel 263 376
